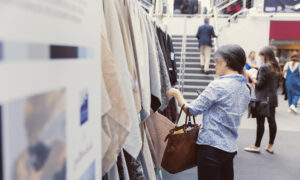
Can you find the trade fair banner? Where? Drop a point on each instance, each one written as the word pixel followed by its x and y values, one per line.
pixel 282 6
pixel 50 95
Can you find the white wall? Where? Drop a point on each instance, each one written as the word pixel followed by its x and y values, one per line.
pixel 176 25
pixel 250 33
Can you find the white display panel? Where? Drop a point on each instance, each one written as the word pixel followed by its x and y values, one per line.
pixel 48 46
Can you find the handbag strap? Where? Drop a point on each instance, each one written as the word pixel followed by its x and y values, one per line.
pixel 250 89
pixel 177 120
pixel 178 117
pixel 194 119
pixel 186 118
pixel 186 123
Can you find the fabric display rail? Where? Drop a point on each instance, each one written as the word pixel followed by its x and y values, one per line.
pixel 138 67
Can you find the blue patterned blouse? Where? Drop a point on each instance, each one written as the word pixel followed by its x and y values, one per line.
pixel 222 104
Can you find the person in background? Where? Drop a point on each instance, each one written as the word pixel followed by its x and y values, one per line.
pixel 251 65
pixel 222 104
pixel 266 85
pixel 204 35
pixel 193 6
pixel 251 62
pixel 284 91
pixel 177 9
pixel 249 4
pixel 205 10
pixel 275 50
pixel 185 7
pixel 292 83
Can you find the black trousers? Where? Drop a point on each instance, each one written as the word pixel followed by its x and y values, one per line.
pixel 261 127
pixel 214 164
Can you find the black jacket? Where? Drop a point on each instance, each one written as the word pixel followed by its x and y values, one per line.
pixel 166 49
pixel 266 85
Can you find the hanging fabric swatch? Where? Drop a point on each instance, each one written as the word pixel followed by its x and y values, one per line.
pixel 133 143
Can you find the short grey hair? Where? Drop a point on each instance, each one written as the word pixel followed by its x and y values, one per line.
pixel 206 20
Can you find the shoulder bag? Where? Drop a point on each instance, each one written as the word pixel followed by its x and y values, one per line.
pixel 258 108
pixel 181 150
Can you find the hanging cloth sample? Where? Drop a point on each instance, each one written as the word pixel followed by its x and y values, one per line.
pixel 105 108
pixel 167 54
pixel 172 54
pixel 151 146
pixel 147 157
pixel 113 173
pixel 158 127
pixel 153 65
pixel 147 104
pixel 129 53
pixel 142 60
pixel 137 54
pixel 122 167
pixel 133 142
pixel 164 76
pixel 116 123
pixel 134 56
pixel 135 168
pixel 157 167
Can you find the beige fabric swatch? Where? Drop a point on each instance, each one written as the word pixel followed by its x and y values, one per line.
pixel 105 108
pixel 159 127
pixel 116 123
pixel 133 143
pixel 129 54
pixel 148 157
pixel 141 49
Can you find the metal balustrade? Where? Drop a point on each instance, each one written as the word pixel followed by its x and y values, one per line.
pixel 183 58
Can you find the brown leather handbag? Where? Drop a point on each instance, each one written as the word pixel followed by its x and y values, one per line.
pixel 181 151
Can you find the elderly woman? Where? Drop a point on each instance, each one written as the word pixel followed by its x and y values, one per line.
pixel 222 104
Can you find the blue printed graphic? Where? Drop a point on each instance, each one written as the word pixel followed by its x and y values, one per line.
pixel 84 109
pixel 1 51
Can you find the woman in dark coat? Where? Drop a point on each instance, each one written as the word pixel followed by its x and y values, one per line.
pixel 266 86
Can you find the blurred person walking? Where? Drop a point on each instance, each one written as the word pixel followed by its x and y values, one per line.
pixel 292 83
pixel 266 85
pixel 222 104
pixel 204 35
